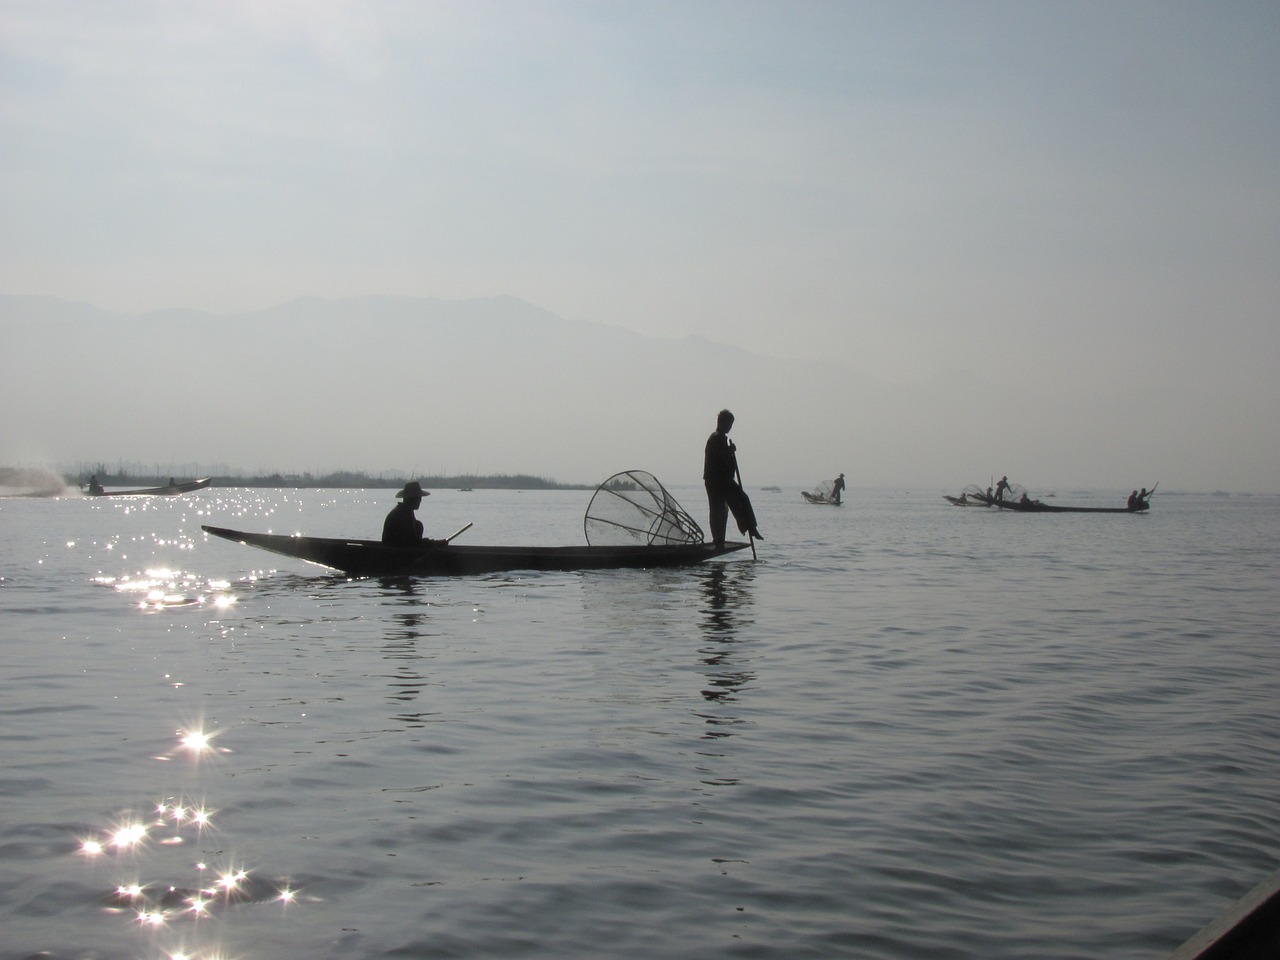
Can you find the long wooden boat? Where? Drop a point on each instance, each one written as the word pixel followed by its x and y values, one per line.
pixel 372 558
pixel 170 490
pixel 1024 505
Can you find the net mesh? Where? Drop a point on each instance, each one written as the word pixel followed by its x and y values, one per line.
pixel 973 494
pixel 632 507
pixel 822 491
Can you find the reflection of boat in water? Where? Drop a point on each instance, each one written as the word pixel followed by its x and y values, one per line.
pixel 631 523
pixel 170 490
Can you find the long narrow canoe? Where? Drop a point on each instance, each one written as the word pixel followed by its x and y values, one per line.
pixel 169 490
pixel 372 558
pixel 1037 506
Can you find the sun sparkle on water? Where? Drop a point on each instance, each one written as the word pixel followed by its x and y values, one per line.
pixel 129 835
pixel 197 741
pixel 158 905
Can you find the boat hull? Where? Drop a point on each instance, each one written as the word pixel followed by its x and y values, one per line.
pixel 372 558
pixel 1036 506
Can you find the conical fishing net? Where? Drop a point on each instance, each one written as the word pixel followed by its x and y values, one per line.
pixel 823 490
pixel 631 508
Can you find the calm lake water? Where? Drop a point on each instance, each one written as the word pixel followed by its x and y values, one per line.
pixel 909 730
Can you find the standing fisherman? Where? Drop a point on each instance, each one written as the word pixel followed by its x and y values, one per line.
pixel 724 492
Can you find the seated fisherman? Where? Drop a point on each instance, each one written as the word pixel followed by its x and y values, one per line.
pixel 402 528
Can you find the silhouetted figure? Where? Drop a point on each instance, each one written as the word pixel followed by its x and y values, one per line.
pixel 1133 501
pixel 837 488
pixel 172 483
pixel 402 528
pixel 95 486
pixel 720 476
pixel 1001 487
pixel 1141 502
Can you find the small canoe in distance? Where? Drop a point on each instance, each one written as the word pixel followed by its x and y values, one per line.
pixel 821 499
pixel 1027 505
pixel 1036 506
pixel 1018 500
pixel 965 500
pixel 170 490
pixel 372 558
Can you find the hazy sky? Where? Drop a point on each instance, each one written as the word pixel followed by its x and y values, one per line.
pixel 1080 194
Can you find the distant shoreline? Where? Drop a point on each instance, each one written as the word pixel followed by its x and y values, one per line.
pixel 342 479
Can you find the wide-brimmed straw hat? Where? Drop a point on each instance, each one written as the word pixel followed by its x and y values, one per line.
pixel 413 491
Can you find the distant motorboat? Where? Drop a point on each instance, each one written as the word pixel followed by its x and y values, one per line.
pixel 170 490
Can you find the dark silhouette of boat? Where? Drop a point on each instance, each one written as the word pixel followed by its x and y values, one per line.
pixel 632 521
pixel 1019 501
pixel 372 558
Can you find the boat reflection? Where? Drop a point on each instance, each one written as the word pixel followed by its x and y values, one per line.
pixel 727 599
pixel 407 625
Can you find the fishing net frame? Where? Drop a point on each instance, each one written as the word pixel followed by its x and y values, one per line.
pixel 823 490
pixel 633 507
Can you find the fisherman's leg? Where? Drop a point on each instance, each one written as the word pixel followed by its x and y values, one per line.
pixel 719 514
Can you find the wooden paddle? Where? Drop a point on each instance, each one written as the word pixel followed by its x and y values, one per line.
pixel 462 530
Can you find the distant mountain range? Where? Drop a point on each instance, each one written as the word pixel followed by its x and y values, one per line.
pixel 487 386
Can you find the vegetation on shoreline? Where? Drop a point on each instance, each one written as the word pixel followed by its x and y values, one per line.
pixel 123 476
